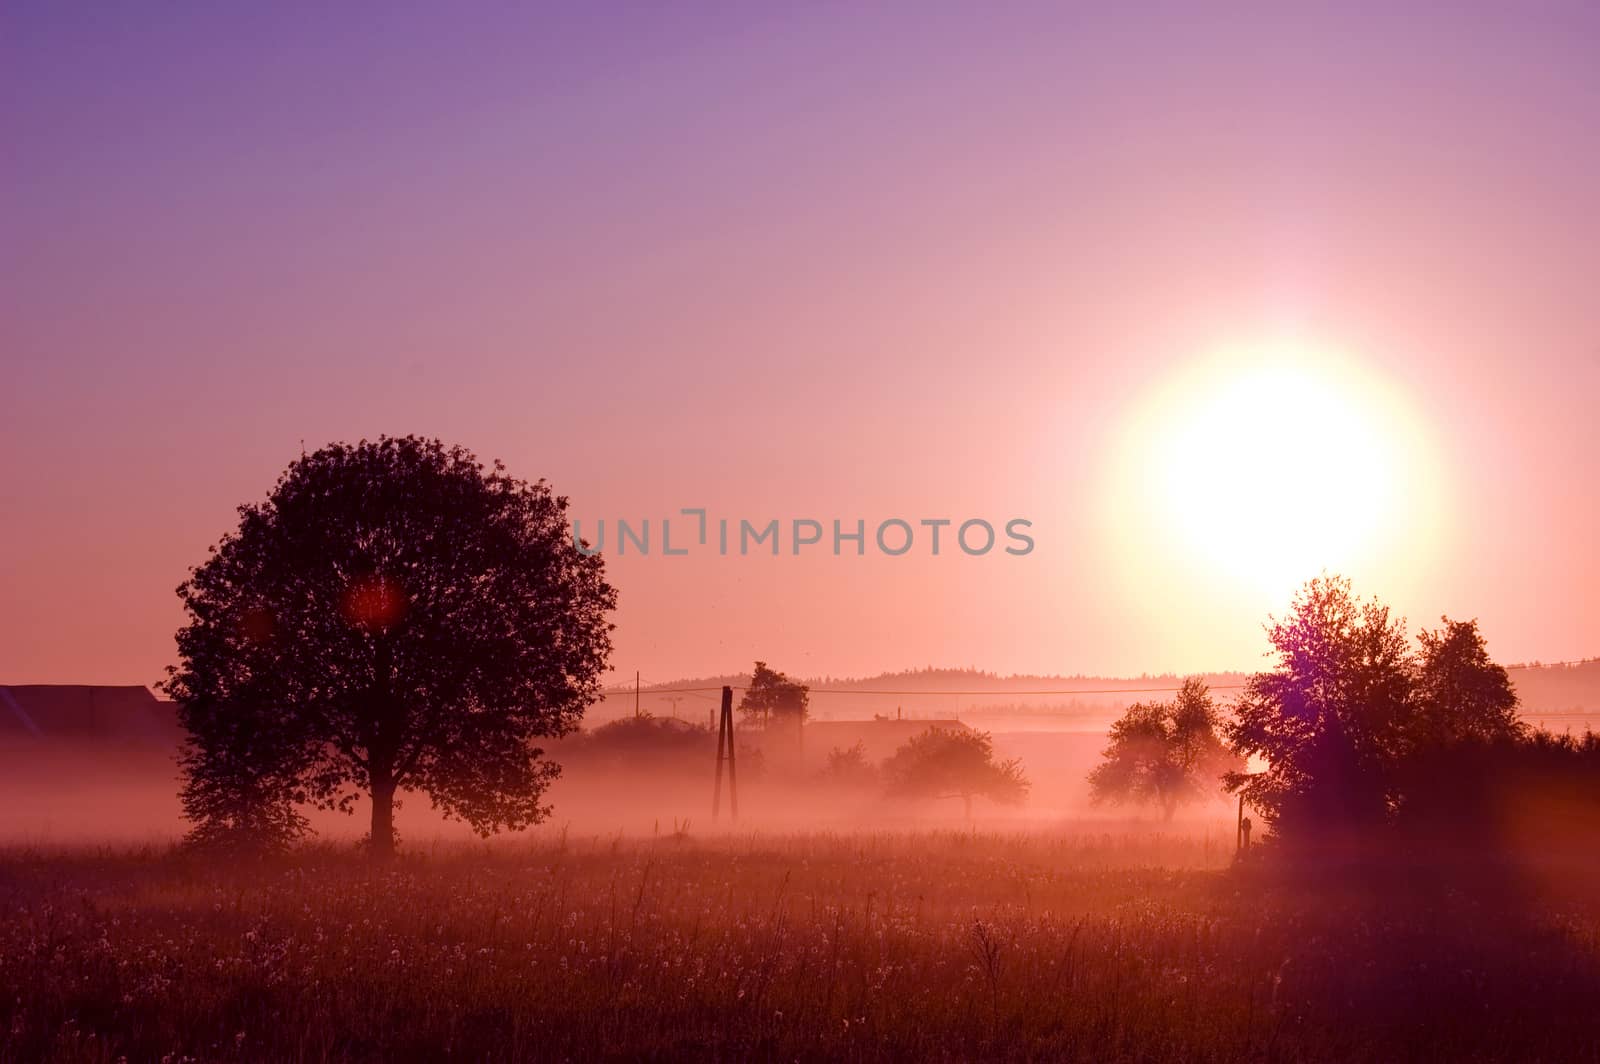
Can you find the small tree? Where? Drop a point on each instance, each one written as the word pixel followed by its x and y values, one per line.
pixel 392 615
pixel 772 695
pixel 1460 695
pixel 848 768
pixel 1165 753
pixel 1467 757
pixel 954 763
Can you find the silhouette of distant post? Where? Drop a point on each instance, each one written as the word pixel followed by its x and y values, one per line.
pixel 725 753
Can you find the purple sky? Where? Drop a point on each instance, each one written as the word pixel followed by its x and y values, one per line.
pixel 918 261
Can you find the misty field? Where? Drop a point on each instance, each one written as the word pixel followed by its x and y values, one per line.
pixel 933 946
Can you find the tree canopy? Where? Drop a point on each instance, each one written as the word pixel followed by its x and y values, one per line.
pixel 1165 753
pixel 393 615
pixel 849 768
pixel 1349 709
pixel 1328 720
pixel 645 740
pixel 954 763
pixel 773 696
pixel 1460 695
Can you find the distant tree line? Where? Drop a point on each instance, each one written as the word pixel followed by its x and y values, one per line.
pixel 938 764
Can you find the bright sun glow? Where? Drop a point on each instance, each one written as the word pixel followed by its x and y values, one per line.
pixel 1263 467
pixel 1277 473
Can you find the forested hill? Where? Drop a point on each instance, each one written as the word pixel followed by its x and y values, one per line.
pixel 926 692
pixel 1572 689
pixel 1560 694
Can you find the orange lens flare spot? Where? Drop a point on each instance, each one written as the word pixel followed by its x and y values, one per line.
pixel 374 602
pixel 256 625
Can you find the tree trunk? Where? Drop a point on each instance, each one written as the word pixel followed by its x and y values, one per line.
pixel 966 800
pixel 382 818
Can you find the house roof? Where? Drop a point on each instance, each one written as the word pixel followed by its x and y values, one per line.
pixel 83 711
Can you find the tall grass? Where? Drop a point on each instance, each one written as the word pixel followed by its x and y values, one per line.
pixel 819 947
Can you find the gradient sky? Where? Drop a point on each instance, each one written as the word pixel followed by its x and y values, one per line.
pixel 917 261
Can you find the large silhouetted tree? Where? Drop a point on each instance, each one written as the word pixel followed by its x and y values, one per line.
pixel 1165 753
pixel 393 615
pixel 1332 718
pixel 1357 731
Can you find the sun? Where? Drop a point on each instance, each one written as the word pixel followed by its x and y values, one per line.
pixel 1267 465
pixel 1276 471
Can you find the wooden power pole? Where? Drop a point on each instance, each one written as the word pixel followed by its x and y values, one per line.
pixel 725 753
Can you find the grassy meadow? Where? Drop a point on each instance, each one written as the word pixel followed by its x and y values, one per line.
pixel 1080 944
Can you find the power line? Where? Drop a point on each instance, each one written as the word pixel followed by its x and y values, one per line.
pixel 662 690
pixel 881 691
pixel 1060 691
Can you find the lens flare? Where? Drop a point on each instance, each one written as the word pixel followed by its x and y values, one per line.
pixel 376 602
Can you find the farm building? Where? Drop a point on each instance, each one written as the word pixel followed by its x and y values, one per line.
pixel 126 715
pixel 81 762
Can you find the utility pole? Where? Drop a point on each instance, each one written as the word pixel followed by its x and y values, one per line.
pixel 725 753
pixel 1238 826
pixel 1242 826
pixel 674 699
pixel 636 694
